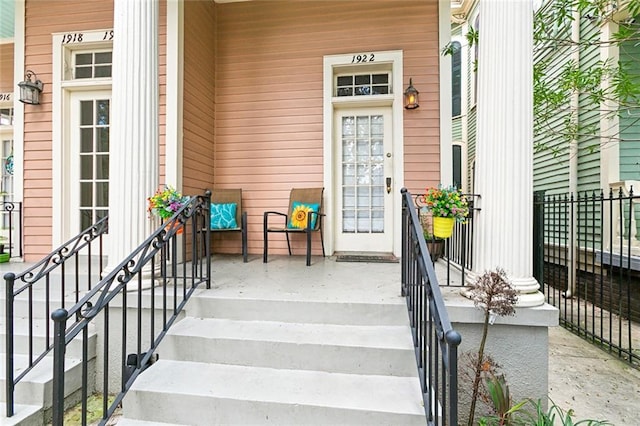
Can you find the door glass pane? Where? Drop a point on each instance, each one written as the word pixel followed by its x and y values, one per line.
pixel 363 174
pixel 94 160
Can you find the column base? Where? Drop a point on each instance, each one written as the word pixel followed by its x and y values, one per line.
pixel 527 288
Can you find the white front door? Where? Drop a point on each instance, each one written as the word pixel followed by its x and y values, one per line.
pixel 89 160
pixel 363 171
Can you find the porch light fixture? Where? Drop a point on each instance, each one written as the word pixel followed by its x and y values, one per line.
pixel 411 97
pixel 29 89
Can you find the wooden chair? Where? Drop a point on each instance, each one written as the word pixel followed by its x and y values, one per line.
pixel 229 196
pixel 304 203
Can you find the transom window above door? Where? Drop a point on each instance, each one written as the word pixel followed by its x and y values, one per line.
pixel 362 84
pixel 92 64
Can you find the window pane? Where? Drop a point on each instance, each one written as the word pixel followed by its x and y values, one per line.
pixel 380 90
pixel 83 72
pixel 86 194
pixel 103 71
pixel 85 219
pixel 102 142
pixel 102 112
pixel 83 59
pixel 103 58
pixel 86 140
pixel 102 194
pixel 86 167
pixel 102 167
pixel 457 166
pixel 363 79
pixel 86 113
pixel 345 91
pixel 380 78
pixel 346 80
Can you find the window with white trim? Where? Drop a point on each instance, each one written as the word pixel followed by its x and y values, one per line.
pixel 363 84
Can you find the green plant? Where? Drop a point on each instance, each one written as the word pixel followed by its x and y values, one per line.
pixel 165 202
pixel 447 202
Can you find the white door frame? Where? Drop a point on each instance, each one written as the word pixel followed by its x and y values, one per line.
pixel 385 60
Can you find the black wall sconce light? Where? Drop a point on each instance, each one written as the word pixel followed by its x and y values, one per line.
pixel 411 97
pixel 30 89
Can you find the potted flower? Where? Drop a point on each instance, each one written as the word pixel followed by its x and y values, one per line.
pixel 166 202
pixel 448 205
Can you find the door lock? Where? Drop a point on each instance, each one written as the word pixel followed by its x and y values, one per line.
pixel 388 185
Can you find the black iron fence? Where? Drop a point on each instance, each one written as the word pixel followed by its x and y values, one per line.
pixel 132 323
pixel 56 281
pixel 587 253
pixel 11 229
pixel 435 341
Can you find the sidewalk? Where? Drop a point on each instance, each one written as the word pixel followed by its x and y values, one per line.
pixel 595 384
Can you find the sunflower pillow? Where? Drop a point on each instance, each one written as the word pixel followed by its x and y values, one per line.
pixel 300 215
pixel 223 216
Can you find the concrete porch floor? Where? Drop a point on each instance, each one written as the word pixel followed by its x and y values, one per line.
pixel 582 377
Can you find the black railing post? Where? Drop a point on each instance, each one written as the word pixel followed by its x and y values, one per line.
pixel 538 237
pixel 59 317
pixel 453 339
pixel 207 237
pixel 9 279
pixel 404 248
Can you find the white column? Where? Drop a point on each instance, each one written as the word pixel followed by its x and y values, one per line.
pixel 504 161
pixel 133 170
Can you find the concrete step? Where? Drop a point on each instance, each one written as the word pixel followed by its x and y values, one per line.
pixel 36 388
pixel 207 394
pixel 39 341
pixel 206 304
pixel 23 415
pixel 381 350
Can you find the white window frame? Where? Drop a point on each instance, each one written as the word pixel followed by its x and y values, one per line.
pixel 62 87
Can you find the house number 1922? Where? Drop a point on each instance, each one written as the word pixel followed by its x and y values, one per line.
pixel 363 57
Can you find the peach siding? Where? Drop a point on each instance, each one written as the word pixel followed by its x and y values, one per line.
pixel 199 96
pixel 6 67
pixel 269 94
pixel 40 23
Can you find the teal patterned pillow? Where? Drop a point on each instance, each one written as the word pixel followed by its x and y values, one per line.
pixel 223 216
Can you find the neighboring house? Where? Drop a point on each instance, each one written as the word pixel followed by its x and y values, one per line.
pixel 610 154
pixel 258 95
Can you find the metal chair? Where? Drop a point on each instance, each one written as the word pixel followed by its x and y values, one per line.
pixel 304 216
pixel 226 196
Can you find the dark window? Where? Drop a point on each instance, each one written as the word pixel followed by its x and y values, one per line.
pixel 456 79
pixel 457 166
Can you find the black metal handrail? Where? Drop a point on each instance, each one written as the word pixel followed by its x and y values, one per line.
pixel 73 256
pixel 154 263
pixel 12 213
pixel 436 342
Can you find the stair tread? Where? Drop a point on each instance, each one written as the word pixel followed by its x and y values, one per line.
pixel 301 387
pixel 387 336
pixel 43 371
pixel 21 414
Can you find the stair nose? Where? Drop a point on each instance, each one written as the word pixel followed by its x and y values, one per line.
pixel 384 350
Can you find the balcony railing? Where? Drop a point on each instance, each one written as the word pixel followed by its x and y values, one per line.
pixel 436 342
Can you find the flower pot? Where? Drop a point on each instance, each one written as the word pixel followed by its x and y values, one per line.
pixel 4 257
pixel 443 226
pixel 436 248
pixel 175 225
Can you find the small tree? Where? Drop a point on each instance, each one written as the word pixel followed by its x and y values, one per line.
pixel 493 293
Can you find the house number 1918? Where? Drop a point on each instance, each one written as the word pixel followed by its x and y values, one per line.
pixel 363 57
